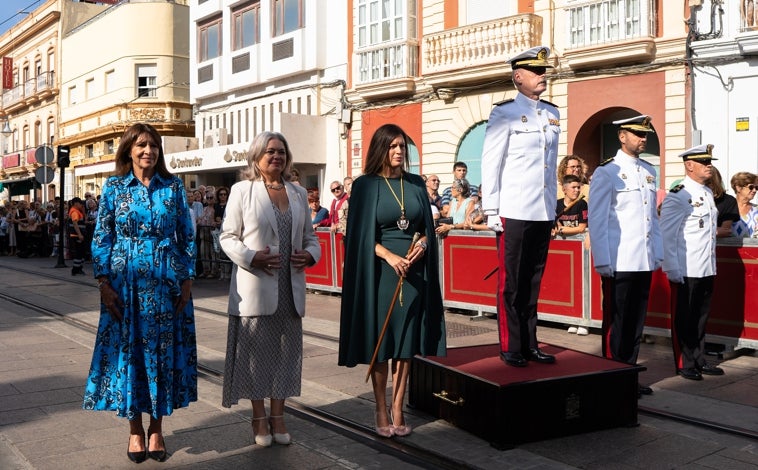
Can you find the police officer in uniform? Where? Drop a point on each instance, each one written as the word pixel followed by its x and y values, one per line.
pixel 626 240
pixel 518 198
pixel 688 223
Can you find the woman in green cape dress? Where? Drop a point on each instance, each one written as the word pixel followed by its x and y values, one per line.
pixel 387 207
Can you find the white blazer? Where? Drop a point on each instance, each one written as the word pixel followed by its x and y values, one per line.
pixel 250 225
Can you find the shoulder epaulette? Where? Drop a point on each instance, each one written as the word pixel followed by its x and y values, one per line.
pixel 548 102
pixel 677 188
pixel 504 102
pixel 607 161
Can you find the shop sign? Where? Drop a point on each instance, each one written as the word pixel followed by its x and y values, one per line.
pixel 186 162
pixel 10 161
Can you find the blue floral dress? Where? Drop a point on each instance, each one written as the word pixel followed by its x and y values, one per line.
pixel 144 243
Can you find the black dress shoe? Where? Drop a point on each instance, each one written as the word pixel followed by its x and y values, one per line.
pixel 644 390
pixel 158 455
pixel 690 373
pixel 513 359
pixel 708 369
pixel 136 457
pixel 538 356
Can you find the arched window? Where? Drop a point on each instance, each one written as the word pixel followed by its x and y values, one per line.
pixel 470 152
pixel 37 134
pixel 414 159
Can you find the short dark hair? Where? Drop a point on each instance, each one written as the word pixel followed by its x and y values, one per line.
pixel 460 165
pixel 570 179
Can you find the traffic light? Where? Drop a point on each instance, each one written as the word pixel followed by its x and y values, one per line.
pixel 63 156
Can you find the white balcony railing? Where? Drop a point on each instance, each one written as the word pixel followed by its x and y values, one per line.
pixel 608 21
pixel 30 87
pixel 480 44
pixel 387 62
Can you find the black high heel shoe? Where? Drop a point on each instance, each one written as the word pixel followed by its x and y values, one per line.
pixel 136 457
pixel 157 455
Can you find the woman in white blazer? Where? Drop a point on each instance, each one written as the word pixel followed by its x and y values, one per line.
pixel 267 233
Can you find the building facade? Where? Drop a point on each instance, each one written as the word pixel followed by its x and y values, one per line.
pixel 266 66
pixel 723 49
pixel 66 82
pixel 108 85
pixel 613 59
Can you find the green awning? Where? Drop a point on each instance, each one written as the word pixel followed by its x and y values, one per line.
pixel 19 186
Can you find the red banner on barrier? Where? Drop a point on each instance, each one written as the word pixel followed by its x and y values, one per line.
pixel 7 73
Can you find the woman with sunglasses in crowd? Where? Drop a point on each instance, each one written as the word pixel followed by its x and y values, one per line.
pixel 744 186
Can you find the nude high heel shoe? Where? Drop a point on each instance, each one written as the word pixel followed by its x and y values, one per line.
pixel 263 440
pixel 383 431
pixel 401 430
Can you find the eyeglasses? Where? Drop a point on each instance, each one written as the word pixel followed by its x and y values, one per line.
pixel 336 188
pixel 704 161
pixel 433 180
pixel 751 187
pixel 272 152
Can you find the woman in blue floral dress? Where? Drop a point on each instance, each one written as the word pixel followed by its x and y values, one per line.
pixel 143 250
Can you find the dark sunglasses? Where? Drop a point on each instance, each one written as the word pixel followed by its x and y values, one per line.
pixel 751 187
pixel 334 190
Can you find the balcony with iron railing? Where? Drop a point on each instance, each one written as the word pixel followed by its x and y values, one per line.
pixel 34 89
pixel 477 52
pixel 610 32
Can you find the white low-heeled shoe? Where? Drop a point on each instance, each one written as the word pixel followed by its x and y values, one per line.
pixel 263 440
pixel 280 438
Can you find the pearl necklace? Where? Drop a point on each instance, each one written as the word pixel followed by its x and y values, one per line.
pixel 275 187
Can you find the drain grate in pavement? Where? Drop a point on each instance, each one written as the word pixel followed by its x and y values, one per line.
pixel 457 330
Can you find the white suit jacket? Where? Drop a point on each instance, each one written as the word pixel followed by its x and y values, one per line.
pixel 250 225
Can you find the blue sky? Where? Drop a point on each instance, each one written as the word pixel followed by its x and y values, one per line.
pixel 9 11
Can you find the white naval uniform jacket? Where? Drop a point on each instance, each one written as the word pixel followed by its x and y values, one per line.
pixel 688 223
pixel 519 159
pixel 623 217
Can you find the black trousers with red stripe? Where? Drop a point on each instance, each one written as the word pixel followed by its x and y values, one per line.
pixel 625 298
pixel 522 253
pixel 691 303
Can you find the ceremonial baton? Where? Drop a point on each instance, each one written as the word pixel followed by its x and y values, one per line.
pixel 416 236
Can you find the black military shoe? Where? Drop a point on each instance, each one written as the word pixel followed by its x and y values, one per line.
pixel 513 359
pixel 538 356
pixel 690 373
pixel 708 369
pixel 643 390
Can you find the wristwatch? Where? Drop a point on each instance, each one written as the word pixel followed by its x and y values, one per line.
pixel 422 244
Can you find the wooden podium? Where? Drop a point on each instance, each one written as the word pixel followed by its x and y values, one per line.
pixel 475 391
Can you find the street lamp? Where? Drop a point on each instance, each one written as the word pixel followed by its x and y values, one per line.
pixel 6 132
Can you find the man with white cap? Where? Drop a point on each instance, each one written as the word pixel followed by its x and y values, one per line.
pixel 626 240
pixel 518 198
pixel 688 223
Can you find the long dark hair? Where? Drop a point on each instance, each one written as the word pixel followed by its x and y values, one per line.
pixel 124 152
pixel 377 156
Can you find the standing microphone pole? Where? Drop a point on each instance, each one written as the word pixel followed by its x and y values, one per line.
pixel 63 162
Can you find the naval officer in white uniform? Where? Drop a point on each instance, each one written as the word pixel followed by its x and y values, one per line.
pixel 688 223
pixel 626 239
pixel 518 198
